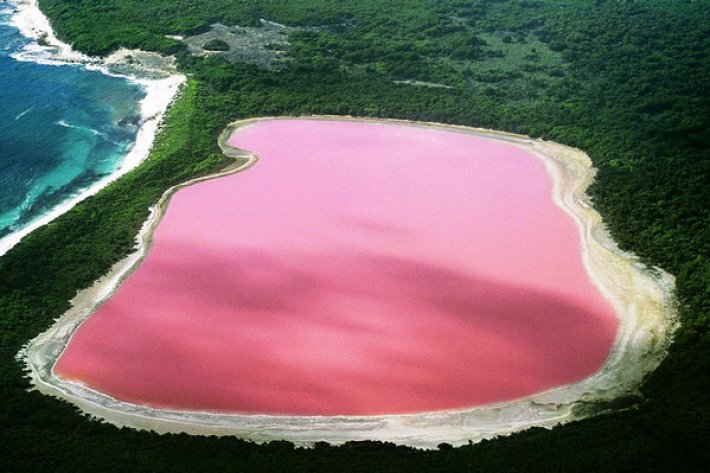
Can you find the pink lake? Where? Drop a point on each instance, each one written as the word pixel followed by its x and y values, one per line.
pixel 356 268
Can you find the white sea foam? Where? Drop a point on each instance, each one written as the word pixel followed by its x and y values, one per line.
pixel 22 114
pixel 159 93
pixel 32 23
pixel 93 131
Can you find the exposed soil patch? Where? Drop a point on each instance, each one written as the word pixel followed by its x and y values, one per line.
pixel 265 45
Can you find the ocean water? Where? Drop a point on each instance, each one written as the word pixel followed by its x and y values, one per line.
pixel 62 128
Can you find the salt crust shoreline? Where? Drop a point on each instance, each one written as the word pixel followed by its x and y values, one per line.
pixel 161 88
pixel 642 298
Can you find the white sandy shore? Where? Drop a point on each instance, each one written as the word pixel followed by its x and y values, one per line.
pixel 160 92
pixel 642 298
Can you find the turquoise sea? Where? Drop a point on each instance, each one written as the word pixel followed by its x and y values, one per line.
pixel 62 128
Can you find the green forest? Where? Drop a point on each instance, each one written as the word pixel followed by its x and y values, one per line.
pixel 626 81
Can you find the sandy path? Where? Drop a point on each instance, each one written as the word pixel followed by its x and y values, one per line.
pixel 642 299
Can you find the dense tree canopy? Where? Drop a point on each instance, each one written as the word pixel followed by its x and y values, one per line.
pixel 627 81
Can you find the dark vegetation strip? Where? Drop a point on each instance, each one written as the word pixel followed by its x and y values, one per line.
pixel 625 81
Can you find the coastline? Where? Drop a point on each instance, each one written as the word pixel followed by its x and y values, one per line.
pixel 642 299
pixel 161 86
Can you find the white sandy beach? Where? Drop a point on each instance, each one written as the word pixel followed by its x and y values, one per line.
pixel 642 298
pixel 160 92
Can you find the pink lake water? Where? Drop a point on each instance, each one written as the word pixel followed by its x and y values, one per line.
pixel 356 268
